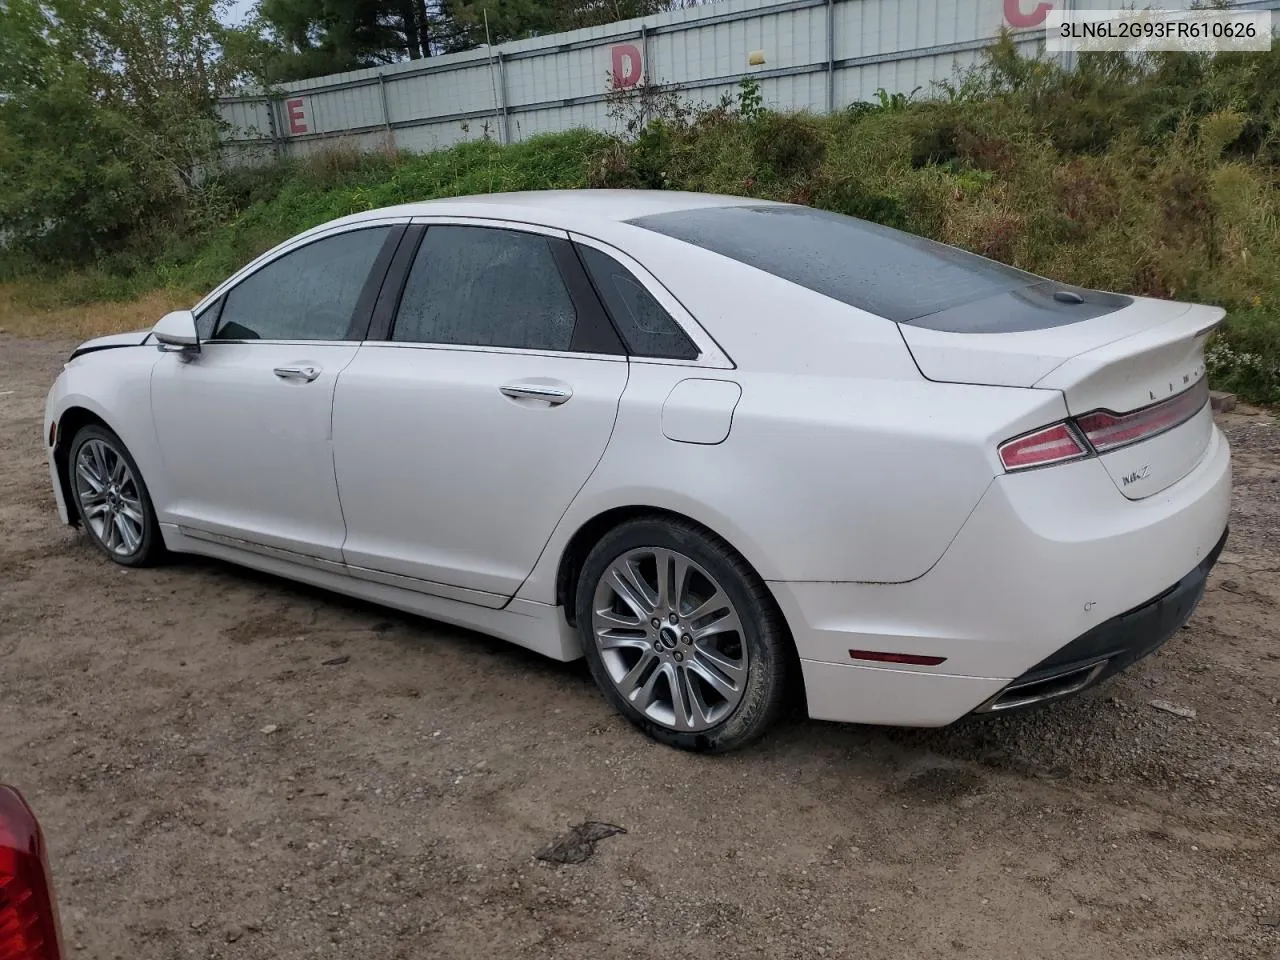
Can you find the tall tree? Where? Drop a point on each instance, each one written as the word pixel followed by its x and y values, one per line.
pixel 106 114
pixel 316 37
pixel 329 36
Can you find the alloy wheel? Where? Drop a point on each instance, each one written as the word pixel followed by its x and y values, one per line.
pixel 670 639
pixel 110 501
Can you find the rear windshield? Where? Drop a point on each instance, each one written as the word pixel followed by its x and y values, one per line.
pixel 893 274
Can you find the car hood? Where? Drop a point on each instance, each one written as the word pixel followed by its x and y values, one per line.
pixel 134 339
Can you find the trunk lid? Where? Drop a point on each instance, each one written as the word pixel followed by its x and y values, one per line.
pixel 1134 357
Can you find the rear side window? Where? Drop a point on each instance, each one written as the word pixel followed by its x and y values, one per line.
pixel 893 274
pixel 646 328
pixel 308 294
pixel 486 287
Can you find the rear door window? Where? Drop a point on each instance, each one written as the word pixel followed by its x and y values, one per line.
pixel 486 287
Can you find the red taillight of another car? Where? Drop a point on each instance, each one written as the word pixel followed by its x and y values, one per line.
pixel 28 912
pixel 1100 431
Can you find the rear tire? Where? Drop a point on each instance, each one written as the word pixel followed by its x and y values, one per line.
pixel 112 500
pixel 682 636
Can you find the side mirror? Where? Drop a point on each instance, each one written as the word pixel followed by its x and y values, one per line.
pixel 177 331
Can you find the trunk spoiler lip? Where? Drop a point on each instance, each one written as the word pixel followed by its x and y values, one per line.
pixel 1210 318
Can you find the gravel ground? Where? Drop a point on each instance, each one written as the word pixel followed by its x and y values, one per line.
pixel 212 788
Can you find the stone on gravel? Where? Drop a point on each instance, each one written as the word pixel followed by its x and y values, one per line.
pixel 579 843
pixel 1175 709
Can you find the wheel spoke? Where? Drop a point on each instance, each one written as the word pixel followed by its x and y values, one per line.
pixel 129 537
pixel 713 604
pixel 627 683
pixel 100 460
pixel 680 567
pixel 628 585
pixel 85 471
pixel 686 704
pixel 607 617
pixel 714 678
pixel 131 509
pixel 119 472
pixel 726 622
pixel 671 570
pixel 645 697
pixel 735 671
pixel 609 640
pixel 109 528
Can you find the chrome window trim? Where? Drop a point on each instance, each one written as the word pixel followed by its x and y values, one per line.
pixel 493 223
pixel 514 351
pixel 281 250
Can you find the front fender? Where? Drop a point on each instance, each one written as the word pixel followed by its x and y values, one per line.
pixel 113 386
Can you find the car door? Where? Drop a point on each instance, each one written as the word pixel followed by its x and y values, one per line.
pixel 465 429
pixel 244 423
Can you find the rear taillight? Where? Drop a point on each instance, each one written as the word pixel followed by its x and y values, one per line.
pixel 1107 431
pixel 28 912
pixel 1100 431
pixel 1052 444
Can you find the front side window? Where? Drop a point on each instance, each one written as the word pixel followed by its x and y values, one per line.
pixel 207 320
pixel 646 328
pixel 486 287
pixel 308 294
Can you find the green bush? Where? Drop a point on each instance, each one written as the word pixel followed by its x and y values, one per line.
pixel 1154 178
pixel 787 145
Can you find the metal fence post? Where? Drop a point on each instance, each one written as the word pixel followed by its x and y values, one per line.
pixel 386 114
pixel 646 78
pixel 502 87
pixel 831 56
pixel 274 126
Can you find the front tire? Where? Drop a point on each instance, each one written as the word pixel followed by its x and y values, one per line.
pixel 682 636
pixel 112 500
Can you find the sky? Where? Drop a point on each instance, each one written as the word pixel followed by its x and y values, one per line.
pixel 239 10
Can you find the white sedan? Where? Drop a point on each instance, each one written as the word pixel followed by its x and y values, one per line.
pixel 727 450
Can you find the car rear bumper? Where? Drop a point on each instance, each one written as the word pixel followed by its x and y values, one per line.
pixel 1109 647
pixel 1055 571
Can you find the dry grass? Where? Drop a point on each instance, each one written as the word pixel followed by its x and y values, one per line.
pixel 22 316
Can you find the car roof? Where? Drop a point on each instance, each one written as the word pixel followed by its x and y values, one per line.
pixel 554 207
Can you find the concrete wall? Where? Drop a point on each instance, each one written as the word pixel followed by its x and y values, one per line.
pixel 819 55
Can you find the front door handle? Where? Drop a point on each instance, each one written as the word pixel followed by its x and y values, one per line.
pixel 305 372
pixel 546 392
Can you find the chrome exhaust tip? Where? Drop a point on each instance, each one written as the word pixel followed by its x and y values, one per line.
pixel 1030 692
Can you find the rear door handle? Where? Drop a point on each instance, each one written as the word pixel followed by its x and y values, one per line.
pixel 305 372
pixel 546 392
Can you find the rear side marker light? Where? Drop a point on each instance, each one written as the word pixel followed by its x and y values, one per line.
pixel 1108 431
pixel 1052 444
pixel 915 659
pixel 28 912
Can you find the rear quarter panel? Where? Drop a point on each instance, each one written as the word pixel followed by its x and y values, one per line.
pixel 821 477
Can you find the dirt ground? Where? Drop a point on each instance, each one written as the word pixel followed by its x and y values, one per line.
pixel 211 788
